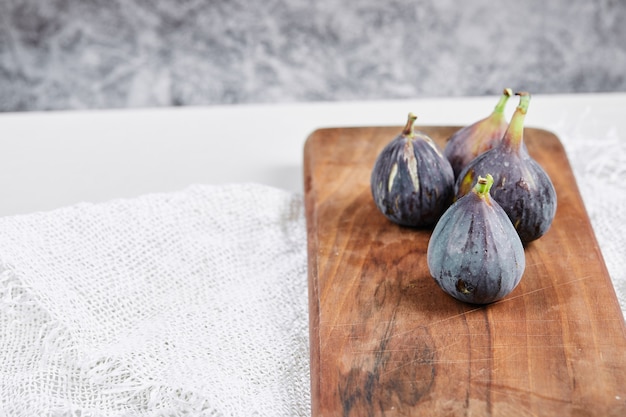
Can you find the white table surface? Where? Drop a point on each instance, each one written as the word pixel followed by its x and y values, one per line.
pixel 53 159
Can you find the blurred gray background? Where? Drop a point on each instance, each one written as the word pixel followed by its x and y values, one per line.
pixel 91 54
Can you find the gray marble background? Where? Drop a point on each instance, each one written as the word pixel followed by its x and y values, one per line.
pixel 88 54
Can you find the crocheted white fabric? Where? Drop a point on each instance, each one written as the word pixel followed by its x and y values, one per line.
pixel 187 303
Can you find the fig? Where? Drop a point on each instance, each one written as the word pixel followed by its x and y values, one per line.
pixel 472 140
pixel 474 253
pixel 521 186
pixel 412 182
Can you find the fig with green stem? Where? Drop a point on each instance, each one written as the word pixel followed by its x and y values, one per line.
pixel 472 140
pixel 474 253
pixel 521 186
pixel 412 183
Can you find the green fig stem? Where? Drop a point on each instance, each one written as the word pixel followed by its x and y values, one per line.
pixel 506 94
pixel 514 135
pixel 408 130
pixel 483 185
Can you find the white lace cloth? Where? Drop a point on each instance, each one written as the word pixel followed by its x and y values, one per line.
pixel 195 302
pixel 188 303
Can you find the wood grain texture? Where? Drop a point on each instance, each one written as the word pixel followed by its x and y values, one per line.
pixel 387 341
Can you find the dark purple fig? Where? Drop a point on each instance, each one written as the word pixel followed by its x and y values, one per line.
pixel 472 140
pixel 474 253
pixel 521 186
pixel 412 182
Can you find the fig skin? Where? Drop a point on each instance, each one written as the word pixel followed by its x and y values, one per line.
pixel 521 186
pixel 412 183
pixel 474 253
pixel 472 140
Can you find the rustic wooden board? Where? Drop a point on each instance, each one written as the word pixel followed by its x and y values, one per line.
pixel 386 341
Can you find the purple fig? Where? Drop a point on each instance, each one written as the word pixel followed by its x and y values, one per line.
pixel 472 140
pixel 412 182
pixel 521 186
pixel 474 253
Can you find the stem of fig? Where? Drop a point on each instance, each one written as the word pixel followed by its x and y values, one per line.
pixel 483 185
pixel 506 94
pixel 514 135
pixel 408 128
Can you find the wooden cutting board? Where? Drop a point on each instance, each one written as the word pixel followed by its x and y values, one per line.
pixel 387 341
